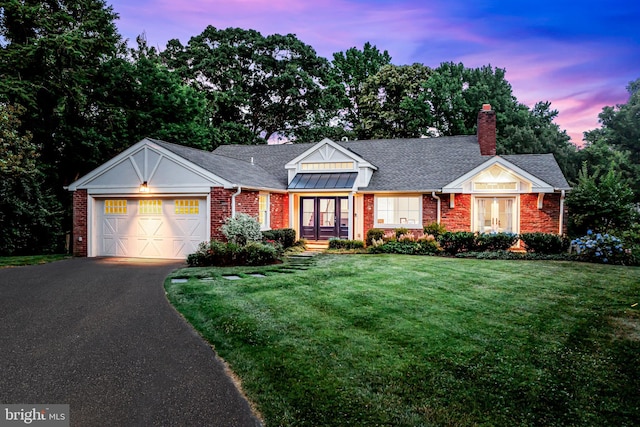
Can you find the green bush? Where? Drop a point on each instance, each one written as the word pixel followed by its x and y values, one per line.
pixel 544 243
pixel 456 242
pixel 223 254
pixel 345 244
pixel 401 232
pixel 374 234
pixel 285 236
pixel 241 229
pixel 407 247
pixel 491 242
pixel 434 229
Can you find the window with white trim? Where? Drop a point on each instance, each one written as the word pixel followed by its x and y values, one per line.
pixel 263 210
pixel 326 166
pixel 404 211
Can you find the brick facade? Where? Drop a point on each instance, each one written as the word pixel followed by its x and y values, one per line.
pixel 545 220
pixel 80 236
pixel 369 212
pixel 279 210
pixel 457 218
pixel 429 209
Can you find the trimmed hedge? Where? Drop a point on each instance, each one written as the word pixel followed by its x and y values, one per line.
pixel 407 247
pixel 374 234
pixel 223 254
pixel 285 236
pixel 545 243
pixel 345 244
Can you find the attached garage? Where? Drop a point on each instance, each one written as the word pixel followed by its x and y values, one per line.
pixel 147 202
pixel 149 227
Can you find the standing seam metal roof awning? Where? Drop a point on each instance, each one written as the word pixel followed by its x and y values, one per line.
pixel 320 181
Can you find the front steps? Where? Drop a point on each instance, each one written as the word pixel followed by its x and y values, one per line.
pixel 317 245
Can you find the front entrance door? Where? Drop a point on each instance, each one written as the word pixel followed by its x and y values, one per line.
pixel 495 214
pixel 322 218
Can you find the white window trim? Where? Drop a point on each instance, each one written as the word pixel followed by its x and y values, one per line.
pixel 417 226
pixel 267 215
pixel 516 209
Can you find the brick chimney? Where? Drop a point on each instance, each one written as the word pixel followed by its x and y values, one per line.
pixel 487 130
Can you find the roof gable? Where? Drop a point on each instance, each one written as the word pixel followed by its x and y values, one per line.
pixel 497 169
pixel 328 151
pixel 148 162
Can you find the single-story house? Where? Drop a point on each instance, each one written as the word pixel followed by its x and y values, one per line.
pixel 158 199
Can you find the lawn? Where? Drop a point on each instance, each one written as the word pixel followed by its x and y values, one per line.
pixel 15 261
pixel 393 340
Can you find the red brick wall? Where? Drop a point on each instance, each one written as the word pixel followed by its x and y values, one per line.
pixel 429 209
pixel 221 200
pixel 80 223
pixel 279 210
pixel 457 218
pixel 369 212
pixel 545 220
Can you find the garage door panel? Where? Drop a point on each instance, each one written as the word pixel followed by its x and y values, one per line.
pixel 154 228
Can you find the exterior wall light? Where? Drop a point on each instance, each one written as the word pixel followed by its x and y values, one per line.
pixel 144 188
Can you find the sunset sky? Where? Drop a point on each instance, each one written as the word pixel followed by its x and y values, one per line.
pixel 580 56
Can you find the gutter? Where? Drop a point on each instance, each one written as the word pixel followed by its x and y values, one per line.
pixel 233 201
pixel 433 194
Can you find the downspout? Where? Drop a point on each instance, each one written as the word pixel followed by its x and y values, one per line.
pixel 233 201
pixel 560 232
pixel 433 194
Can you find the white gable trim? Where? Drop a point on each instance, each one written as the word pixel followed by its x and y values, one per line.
pixel 537 185
pixel 359 161
pixel 206 178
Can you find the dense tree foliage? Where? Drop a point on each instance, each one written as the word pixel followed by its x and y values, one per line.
pixel 259 88
pixel 352 69
pixel 30 215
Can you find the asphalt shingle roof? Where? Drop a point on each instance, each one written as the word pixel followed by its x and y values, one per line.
pixel 420 164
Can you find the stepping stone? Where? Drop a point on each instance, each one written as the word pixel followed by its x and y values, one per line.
pixel 179 280
pixel 232 277
pixel 257 275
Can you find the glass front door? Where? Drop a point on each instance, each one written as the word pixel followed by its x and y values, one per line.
pixel 322 218
pixel 495 215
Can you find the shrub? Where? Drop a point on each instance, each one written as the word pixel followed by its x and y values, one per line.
pixel 544 243
pixel 455 242
pixel 241 229
pixel 491 242
pixel 401 232
pixel 597 247
pixel 222 254
pixel 257 253
pixel 285 236
pixel 406 247
pixel 374 234
pixel 434 229
pixel 345 244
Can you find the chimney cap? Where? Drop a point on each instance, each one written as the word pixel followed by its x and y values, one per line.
pixel 486 107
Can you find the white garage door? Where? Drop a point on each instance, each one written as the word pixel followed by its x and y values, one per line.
pixel 150 228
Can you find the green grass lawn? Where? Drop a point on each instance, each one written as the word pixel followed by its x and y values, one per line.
pixel 394 340
pixel 15 261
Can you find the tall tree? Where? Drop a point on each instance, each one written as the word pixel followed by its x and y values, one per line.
pixel 386 102
pixel 258 87
pixel 138 96
pixel 29 214
pixel 352 69
pixel 49 62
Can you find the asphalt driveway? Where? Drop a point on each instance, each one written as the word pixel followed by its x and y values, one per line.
pixel 99 335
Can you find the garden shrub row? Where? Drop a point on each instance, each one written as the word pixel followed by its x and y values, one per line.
pixel 284 236
pixel 225 254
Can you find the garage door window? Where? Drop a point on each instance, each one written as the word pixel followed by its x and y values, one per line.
pixel 115 207
pixel 150 207
pixel 187 207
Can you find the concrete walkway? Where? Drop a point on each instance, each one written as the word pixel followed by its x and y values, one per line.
pixel 99 335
